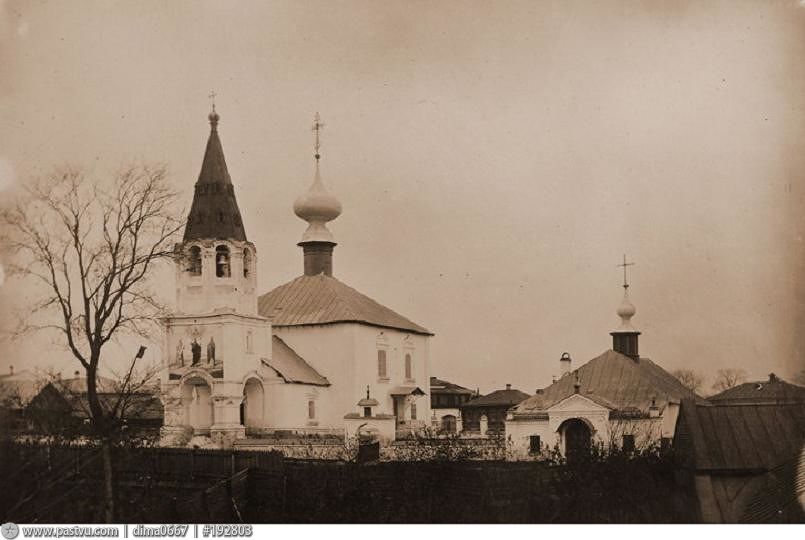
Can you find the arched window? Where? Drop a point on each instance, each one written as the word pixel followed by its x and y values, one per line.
pixel 222 268
pixel 408 369
pixel 311 410
pixel 195 261
pixel 247 262
pixel 381 364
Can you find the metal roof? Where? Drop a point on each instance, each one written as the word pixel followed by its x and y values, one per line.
pixel 749 438
pixel 214 212
pixel 440 386
pixel 498 398
pixel 322 299
pixel 773 390
pixel 292 367
pixel 615 381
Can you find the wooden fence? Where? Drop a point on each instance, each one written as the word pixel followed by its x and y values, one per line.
pixel 183 485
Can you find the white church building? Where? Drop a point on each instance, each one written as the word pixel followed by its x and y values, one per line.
pixel 616 399
pixel 312 356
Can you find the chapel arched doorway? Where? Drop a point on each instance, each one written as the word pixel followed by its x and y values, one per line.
pixel 253 406
pixel 577 437
pixel 197 402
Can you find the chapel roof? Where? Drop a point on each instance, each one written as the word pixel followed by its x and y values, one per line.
pixel 292 367
pixel 214 212
pixel 322 299
pixel 615 381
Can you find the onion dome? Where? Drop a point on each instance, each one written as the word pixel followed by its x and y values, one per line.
pixel 318 206
pixel 626 311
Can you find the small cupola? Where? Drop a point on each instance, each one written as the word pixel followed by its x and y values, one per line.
pixel 625 337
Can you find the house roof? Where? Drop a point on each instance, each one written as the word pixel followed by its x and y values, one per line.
pixel 615 381
pixel 498 398
pixel 749 438
pixel 440 386
pixel 292 367
pixel 773 390
pixel 139 405
pixel 322 299
pixel 214 212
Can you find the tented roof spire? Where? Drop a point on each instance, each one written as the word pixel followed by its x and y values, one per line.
pixel 214 212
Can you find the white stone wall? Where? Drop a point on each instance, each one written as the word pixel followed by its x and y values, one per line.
pixel 397 344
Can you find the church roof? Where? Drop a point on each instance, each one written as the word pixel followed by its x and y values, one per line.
pixel 214 212
pixel 292 367
pixel 774 390
pixel 498 398
pixel 322 299
pixel 615 381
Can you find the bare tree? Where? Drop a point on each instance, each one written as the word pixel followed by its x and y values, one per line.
pixel 92 245
pixel 728 378
pixel 690 379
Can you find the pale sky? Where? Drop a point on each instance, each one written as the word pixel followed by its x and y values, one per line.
pixel 494 160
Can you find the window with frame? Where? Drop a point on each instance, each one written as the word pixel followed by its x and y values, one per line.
pixel 413 411
pixel 367 412
pixel 311 410
pixel 628 443
pixel 534 444
pixel 381 364
pixel 222 266
pixel 195 261
pixel 408 367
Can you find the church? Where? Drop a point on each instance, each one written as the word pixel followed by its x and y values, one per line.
pixel 617 399
pixel 310 357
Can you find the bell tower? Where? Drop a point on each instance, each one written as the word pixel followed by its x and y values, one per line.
pixel 216 264
pixel 215 340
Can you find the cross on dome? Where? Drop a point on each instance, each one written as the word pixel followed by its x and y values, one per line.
pixel 624 265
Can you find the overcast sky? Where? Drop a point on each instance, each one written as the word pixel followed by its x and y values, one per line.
pixel 494 160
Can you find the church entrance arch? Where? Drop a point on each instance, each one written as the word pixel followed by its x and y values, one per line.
pixel 253 406
pixel 197 403
pixel 577 437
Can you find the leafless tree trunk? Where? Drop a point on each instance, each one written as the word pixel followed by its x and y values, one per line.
pixel 91 247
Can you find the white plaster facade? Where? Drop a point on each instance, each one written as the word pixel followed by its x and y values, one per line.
pixel 606 427
pixel 224 372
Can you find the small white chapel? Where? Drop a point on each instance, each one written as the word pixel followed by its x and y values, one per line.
pixel 617 399
pixel 310 357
